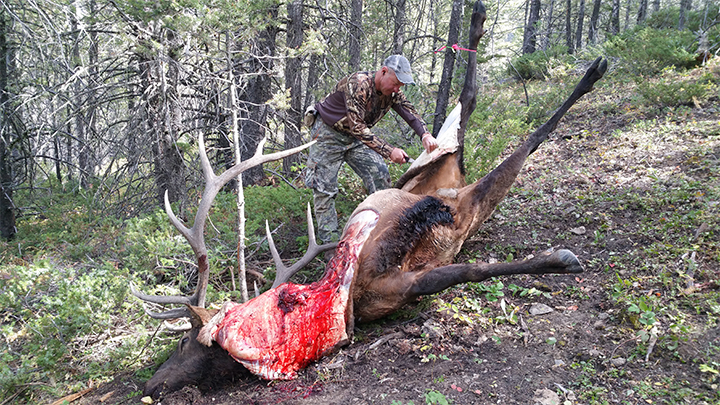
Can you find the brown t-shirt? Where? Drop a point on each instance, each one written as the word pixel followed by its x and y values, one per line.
pixel 356 106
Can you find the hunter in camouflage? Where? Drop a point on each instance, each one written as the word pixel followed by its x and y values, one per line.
pixel 342 122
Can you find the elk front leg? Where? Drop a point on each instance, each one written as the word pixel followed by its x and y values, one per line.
pixel 560 262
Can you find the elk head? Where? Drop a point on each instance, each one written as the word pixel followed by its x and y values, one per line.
pixel 192 361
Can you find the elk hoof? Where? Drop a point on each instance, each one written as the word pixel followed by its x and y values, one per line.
pixel 594 73
pixel 569 261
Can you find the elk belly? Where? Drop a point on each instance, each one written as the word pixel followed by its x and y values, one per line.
pixel 286 328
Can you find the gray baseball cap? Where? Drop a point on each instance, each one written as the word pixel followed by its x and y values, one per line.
pixel 400 65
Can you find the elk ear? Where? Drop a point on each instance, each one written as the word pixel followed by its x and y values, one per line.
pixel 200 316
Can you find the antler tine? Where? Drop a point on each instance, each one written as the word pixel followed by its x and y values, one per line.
pixel 195 236
pixel 171 314
pixel 284 273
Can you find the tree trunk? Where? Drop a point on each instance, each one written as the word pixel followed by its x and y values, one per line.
pixel 642 11
pixel 256 93
pixel 399 31
pixel 91 91
pixel 355 47
pixel 615 18
pixel 548 26
pixel 80 130
pixel 530 37
pixel 685 6
pixel 448 67
pixel 161 118
pixel 580 21
pixel 628 6
pixel 568 27
pixel 593 34
pixel 293 81
pixel 240 200
pixel 7 209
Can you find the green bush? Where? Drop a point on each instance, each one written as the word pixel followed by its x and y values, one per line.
pixel 61 320
pixel 672 89
pixel 539 64
pixel 647 51
pixel 495 123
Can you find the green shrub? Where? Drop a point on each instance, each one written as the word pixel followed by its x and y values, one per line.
pixel 647 51
pixel 495 123
pixel 673 89
pixel 539 64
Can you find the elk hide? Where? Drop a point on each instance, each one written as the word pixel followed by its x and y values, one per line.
pixel 447 140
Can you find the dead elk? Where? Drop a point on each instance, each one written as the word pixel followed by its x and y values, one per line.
pixel 398 245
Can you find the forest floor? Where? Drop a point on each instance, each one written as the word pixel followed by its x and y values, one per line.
pixel 638 201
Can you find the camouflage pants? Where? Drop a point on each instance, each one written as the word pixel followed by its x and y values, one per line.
pixel 324 161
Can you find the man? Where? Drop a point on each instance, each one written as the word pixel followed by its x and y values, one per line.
pixel 342 128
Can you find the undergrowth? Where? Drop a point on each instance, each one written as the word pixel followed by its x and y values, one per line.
pixel 67 319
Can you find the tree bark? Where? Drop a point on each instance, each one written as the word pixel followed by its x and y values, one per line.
pixel 580 22
pixel 642 11
pixel 7 209
pixel 448 67
pixel 355 47
pixel 530 37
pixel 240 200
pixel 399 31
pixel 628 5
pixel 256 93
pixel 685 6
pixel 548 26
pixel 293 82
pixel 615 18
pixel 80 129
pixel 568 27
pixel 593 34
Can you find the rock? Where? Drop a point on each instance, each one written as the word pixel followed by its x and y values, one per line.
pixel 546 397
pixel 603 316
pixel 595 353
pixel 618 361
pixel 580 230
pixel 433 329
pixel 540 309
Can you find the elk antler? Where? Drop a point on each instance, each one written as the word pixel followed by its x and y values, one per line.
pixel 195 236
pixel 284 273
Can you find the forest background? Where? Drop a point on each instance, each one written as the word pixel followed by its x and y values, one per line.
pixel 102 103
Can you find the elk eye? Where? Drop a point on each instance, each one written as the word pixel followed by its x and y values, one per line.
pixel 182 342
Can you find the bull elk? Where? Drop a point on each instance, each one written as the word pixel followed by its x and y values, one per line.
pixel 399 244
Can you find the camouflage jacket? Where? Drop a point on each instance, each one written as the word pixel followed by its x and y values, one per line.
pixel 356 106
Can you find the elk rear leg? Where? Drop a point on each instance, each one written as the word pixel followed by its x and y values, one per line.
pixel 560 262
pixel 594 73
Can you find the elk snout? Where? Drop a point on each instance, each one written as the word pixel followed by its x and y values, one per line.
pixel 191 364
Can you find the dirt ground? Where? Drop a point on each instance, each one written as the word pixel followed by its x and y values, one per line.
pixel 585 350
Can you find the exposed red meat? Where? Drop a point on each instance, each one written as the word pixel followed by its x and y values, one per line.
pixel 286 328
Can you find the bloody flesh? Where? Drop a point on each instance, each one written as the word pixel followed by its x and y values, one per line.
pixel 286 328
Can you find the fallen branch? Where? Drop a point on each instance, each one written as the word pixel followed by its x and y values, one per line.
pixel 72 397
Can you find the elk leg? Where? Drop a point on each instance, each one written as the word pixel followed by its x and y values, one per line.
pixel 560 262
pixel 594 73
pixel 492 188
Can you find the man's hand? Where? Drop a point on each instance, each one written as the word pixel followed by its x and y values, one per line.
pixel 429 142
pixel 398 156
